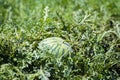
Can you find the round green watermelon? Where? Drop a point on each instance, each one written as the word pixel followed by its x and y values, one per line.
pixel 56 46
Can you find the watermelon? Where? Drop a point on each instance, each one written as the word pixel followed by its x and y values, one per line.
pixel 55 46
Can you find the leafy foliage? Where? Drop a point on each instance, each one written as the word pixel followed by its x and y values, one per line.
pixel 92 27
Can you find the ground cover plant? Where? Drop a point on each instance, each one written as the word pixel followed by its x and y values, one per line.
pixel 91 27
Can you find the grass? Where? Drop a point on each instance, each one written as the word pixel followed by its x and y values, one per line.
pixel 92 27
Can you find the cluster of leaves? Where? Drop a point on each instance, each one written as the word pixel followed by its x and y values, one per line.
pixel 92 27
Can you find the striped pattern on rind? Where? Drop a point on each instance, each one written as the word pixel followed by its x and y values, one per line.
pixel 56 46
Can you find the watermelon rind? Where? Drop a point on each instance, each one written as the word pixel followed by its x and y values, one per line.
pixel 56 46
